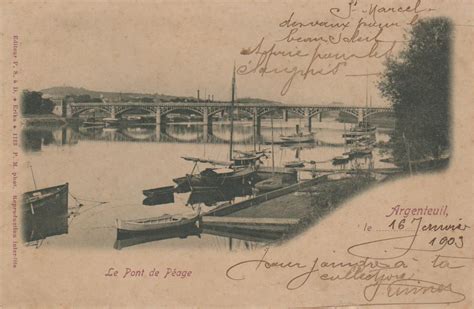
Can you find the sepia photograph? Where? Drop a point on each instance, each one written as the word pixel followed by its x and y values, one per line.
pixel 233 132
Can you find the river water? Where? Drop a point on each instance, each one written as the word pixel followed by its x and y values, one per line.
pixel 107 169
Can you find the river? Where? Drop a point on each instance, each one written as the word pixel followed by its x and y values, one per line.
pixel 107 169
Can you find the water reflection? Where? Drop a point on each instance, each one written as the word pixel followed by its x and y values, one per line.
pixel 114 165
pixel 34 138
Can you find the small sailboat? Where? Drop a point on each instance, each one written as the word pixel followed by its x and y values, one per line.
pixel 275 182
pixel 295 163
pixel 233 173
pixel 345 157
pixel 298 137
pixel 363 131
pixel 248 158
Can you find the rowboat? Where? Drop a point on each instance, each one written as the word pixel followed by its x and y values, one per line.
pixel 342 159
pixel 162 224
pixel 45 212
pixel 158 191
pixel 298 138
pixel 292 164
pixel 361 151
pixel 270 184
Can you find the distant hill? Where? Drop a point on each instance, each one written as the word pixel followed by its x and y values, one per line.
pixel 125 96
pixel 257 100
pixel 74 91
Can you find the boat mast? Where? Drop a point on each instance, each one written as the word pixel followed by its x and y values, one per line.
pixel 255 135
pixel 33 175
pixel 366 96
pixel 273 152
pixel 232 116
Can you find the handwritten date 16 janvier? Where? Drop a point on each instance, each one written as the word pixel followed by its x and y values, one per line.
pixel 399 246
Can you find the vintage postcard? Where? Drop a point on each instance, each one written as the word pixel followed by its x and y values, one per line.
pixel 217 154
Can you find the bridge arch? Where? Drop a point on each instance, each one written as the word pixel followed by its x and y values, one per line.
pixel 181 110
pixel 135 108
pixel 217 111
pixel 267 111
pixel 351 113
pixel 379 112
pixel 77 112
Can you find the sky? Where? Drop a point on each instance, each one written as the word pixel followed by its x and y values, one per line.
pixel 169 48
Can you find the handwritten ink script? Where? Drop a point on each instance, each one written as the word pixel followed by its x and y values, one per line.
pixel 323 46
pixel 411 267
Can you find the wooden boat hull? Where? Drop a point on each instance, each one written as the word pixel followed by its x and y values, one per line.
pixel 162 224
pixel 45 213
pixel 341 160
pixel 240 177
pixel 158 191
pixel 298 139
pixel 294 164
pixel 270 184
pixel 135 239
pixel 360 152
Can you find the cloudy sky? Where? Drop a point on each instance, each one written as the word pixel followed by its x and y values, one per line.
pixel 169 48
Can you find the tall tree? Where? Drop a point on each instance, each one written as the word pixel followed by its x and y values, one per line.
pixel 417 83
pixel 33 103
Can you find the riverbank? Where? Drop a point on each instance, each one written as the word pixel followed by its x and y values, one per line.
pixel 274 220
pixel 44 120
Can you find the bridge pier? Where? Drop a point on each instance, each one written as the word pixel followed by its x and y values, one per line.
pixel 320 117
pixel 207 121
pixel 257 122
pixel 160 122
pixel 158 133
pixel 285 115
pixel 113 113
pixel 360 115
pixel 205 133
pixel 65 109
pixel 158 118
pixel 307 120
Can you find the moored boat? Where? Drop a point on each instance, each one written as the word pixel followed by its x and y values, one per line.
pixel 298 138
pixel 45 212
pixel 270 184
pixel 342 159
pixel 293 164
pixel 361 151
pixel 164 223
pixel 362 132
pixel 158 191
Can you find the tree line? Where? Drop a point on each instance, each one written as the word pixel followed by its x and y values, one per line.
pixel 417 83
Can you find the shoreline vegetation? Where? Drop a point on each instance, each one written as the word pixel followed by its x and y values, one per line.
pixel 41 120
